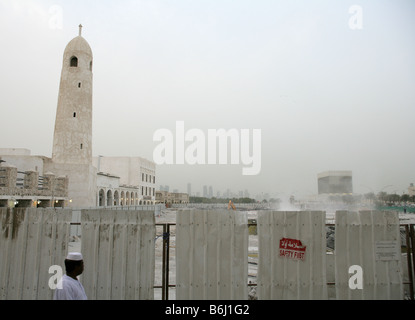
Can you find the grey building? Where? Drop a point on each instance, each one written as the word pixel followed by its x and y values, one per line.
pixel 335 182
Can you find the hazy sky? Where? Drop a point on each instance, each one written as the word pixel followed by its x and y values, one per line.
pixel 326 96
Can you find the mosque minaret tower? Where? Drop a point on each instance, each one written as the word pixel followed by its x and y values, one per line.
pixel 72 177
pixel 72 141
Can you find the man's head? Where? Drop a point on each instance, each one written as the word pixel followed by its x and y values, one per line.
pixel 74 263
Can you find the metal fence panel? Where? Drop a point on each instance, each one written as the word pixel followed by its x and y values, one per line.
pixel 118 250
pixel 370 240
pixel 31 241
pixel 292 255
pixel 211 255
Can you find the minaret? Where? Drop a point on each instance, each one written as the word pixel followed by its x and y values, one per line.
pixel 72 140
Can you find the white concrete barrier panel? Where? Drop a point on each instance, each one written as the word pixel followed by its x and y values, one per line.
pixel 292 255
pixel 31 241
pixel 118 251
pixel 211 255
pixel 368 255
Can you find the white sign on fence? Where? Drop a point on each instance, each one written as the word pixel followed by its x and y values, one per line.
pixel 387 250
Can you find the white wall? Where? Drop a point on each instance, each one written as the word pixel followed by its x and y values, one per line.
pixel 14 152
pixel 118 251
pixel 366 239
pixel 82 182
pixel 107 181
pixel 282 277
pixel 31 241
pixel 211 255
pixel 24 163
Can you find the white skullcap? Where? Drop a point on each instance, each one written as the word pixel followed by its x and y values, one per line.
pixel 74 256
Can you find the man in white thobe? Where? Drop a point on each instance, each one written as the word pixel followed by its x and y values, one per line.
pixel 71 288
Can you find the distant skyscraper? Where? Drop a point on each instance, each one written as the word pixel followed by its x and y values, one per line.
pixel 164 188
pixel 210 192
pixel 335 182
pixel 205 192
pixel 227 193
pixel 189 189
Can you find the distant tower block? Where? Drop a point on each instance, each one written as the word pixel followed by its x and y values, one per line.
pixel 335 182
pixel 72 141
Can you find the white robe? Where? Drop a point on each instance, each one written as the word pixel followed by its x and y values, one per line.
pixel 71 290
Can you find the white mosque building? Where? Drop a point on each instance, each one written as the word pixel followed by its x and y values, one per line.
pixel 72 177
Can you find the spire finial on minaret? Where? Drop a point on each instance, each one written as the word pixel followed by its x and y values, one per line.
pixel 80 30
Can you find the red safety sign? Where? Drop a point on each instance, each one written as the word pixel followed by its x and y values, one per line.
pixel 291 248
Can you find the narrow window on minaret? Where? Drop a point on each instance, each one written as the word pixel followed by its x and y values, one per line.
pixel 82 146
pixel 74 62
pixel 74 114
pixel 79 85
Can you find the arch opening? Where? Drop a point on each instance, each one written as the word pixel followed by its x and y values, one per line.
pixel 74 62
